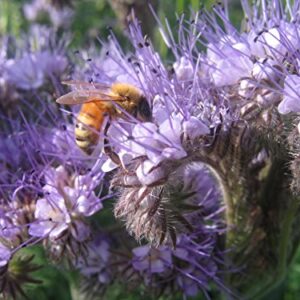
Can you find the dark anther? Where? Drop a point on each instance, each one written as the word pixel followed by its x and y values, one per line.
pixel 40 194
pixel 107 53
pixel 140 45
pixel 147 44
pixel 154 71
pixel 64 127
pixel 76 52
pixel 172 71
pixel 89 59
pixel 258 35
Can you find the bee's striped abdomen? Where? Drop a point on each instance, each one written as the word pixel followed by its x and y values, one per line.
pixel 88 125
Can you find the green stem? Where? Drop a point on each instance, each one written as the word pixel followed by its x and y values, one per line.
pixel 284 238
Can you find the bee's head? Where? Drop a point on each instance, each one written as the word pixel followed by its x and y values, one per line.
pixel 144 112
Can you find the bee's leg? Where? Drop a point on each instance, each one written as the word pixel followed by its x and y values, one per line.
pixel 108 149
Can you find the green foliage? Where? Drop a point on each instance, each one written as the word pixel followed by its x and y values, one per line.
pixel 10 17
pixel 292 283
pixel 92 19
pixel 55 283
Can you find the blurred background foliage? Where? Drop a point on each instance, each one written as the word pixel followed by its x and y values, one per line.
pixel 92 19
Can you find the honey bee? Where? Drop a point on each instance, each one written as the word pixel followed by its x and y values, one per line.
pixel 99 102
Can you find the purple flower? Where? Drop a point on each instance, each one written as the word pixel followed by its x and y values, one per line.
pixel 96 261
pixel 290 102
pixel 52 221
pixel 41 58
pixel 160 143
pixel 10 232
pixel 184 69
pixel 5 255
pixel 26 72
pixel 64 205
pixel 151 260
pixel 59 17
pixel 229 61
pixel 53 63
pixel 188 268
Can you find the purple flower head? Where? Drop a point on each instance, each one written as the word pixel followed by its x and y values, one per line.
pixel 157 212
pixel 63 202
pixel 195 265
pixel 190 266
pixel 228 61
pixel 171 121
pixel 59 17
pixel 26 72
pixel 151 152
pixel 98 267
pixel 184 69
pixel 42 58
pixel 13 237
pixel 257 60
pixel 64 205
pixel 151 260
pixel 290 102
pixel 5 255
pixel 96 261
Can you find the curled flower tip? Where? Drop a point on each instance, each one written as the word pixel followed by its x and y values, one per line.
pixel 16 274
pixel 162 210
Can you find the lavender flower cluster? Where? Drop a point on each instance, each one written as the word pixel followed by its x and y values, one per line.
pixel 208 188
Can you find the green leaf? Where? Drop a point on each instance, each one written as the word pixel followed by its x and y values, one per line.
pixel 55 284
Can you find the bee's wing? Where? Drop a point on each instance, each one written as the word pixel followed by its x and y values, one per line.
pixel 84 96
pixel 77 84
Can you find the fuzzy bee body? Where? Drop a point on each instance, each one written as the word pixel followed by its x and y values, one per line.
pixel 120 100
pixel 88 124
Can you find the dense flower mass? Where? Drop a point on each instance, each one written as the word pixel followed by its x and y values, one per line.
pixel 200 156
